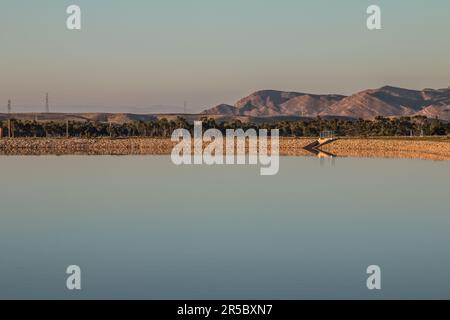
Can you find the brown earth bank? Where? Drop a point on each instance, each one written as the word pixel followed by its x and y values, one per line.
pixel 428 149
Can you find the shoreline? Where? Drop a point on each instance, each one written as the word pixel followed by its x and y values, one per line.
pixel 429 148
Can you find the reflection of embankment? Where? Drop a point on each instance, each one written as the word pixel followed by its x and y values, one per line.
pixel 392 148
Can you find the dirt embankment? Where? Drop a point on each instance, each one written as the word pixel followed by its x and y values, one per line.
pixel 392 148
pixel 41 146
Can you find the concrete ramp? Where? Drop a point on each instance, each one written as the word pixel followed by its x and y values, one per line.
pixel 314 147
pixel 324 141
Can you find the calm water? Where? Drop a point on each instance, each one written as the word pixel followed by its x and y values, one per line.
pixel 140 227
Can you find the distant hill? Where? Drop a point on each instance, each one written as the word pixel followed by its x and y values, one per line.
pixel 386 101
pixel 440 111
pixel 277 103
pixel 120 118
pixel 102 117
pixel 222 109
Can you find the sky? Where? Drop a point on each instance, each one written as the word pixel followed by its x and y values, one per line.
pixel 152 55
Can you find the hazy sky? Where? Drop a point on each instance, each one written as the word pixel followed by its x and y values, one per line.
pixel 131 55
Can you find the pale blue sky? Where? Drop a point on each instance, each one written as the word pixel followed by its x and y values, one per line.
pixel 141 53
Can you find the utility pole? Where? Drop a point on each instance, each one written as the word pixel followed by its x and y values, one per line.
pixel 47 108
pixel 10 129
pixel 185 107
pixel 9 118
pixel 67 128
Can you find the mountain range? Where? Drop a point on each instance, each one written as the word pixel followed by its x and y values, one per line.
pixel 274 106
pixel 387 101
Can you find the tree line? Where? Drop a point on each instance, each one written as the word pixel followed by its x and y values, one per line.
pixel 380 126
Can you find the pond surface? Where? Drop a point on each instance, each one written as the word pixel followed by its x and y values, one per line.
pixel 140 227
